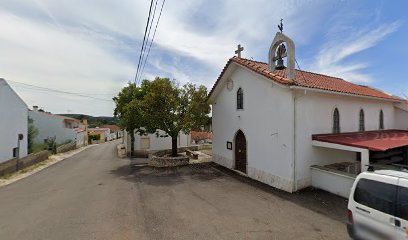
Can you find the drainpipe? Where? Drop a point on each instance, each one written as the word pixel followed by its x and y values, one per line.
pixel 294 186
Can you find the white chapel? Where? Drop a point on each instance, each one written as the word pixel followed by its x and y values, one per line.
pixel 292 129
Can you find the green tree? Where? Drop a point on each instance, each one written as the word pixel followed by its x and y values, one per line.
pixel 162 105
pixel 32 134
pixel 127 102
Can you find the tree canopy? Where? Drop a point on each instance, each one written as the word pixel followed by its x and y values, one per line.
pixel 164 105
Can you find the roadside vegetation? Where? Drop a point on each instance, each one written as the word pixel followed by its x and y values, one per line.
pixel 32 134
pixel 164 105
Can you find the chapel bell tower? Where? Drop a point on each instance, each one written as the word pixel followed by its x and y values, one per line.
pixel 282 47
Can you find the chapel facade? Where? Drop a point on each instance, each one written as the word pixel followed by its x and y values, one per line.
pixel 292 129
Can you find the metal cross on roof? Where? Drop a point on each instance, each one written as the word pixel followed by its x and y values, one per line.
pixel 239 50
pixel 280 26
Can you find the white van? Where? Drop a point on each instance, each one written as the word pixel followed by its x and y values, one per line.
pixel 378 205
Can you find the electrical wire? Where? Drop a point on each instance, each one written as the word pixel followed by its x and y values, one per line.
pixel 39 88
pixel 147 39
pixel 144 39
pixel 300 70
pixel 151 42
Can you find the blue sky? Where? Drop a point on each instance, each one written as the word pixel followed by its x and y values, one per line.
pixel 92 47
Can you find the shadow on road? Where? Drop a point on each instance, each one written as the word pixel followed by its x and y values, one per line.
pixel 167 176
pixel 316 200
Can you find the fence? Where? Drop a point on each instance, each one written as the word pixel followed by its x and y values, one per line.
pixel 15 164
pixel 66 147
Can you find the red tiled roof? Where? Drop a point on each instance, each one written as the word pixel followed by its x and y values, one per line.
pixel 381 140
pixel 56 116
pixel 201 135
pixel 98 129
pixel 78 130
pixel 307 80
pixel 112 127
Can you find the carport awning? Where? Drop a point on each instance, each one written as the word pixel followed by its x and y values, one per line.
pixel 381 140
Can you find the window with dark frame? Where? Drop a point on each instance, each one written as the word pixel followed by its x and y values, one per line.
pixel 15 150
pixel 376 195
pixel 381 125
pixel 336 121
pixel 402 206
pixel 361 125
pixel 240 99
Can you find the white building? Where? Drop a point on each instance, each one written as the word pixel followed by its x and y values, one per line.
pixel 13 123
pixel 115 131
pixel 64 129
pixel 103 133
pixel 267 119
pixel 144 144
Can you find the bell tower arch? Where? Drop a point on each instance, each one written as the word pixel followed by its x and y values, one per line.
pixel 278 51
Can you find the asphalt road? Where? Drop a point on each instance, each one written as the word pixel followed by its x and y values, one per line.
pixel 78 198
pixel 95 195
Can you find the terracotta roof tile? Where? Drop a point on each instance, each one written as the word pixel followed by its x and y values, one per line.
pixel 201 135
pixel 380 140
pixel 307 80
pixel 112 127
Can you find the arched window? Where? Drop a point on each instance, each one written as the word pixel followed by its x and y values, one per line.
pixel 361 125
pixel 381 125
pixel 336 121
pixel 240 99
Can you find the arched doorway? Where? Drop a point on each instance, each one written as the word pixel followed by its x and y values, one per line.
pixel 240 152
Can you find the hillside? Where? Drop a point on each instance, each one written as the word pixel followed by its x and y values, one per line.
pixel 94 121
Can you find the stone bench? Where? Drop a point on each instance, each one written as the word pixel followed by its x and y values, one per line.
pixel 192 154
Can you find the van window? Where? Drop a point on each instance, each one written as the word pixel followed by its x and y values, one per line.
pixel 402 206
pixel 377 195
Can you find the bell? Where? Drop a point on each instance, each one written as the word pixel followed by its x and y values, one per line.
pixel 279 64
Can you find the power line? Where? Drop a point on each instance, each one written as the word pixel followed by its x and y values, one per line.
pixel 300 70
pixel 39 88
pixel 147 38
pixel 144 39
pixel 151 42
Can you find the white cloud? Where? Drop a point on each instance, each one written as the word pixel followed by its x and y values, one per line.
pixel 93 46
pixel 331 57
pixel 42 54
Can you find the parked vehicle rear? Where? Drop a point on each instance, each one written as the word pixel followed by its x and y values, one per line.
pixel 378 206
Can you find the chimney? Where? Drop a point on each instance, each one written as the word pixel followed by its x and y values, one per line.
pixel 35 108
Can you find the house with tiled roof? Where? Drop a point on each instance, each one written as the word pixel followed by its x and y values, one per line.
pixel 115 131
pixel 292 129
pixel 63 129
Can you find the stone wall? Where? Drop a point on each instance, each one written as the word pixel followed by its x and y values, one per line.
pixel 66 147
pixel 32 159
pixel 169 161
pixel 8 167
pixel 168 151
pixel 204 147
pixel 14 164
pixel 149 154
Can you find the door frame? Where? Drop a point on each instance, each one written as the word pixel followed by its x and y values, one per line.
pixel 246 152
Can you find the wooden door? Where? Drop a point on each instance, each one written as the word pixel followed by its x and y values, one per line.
pixel 144 143
pixel 240 152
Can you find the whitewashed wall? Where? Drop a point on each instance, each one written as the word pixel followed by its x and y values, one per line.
pixel 50 126
pixel 80 139
pixel 156 143
pixel 161 143
pixel 13 121
pixel 266 122
pixel 314 115
pixel 401 119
